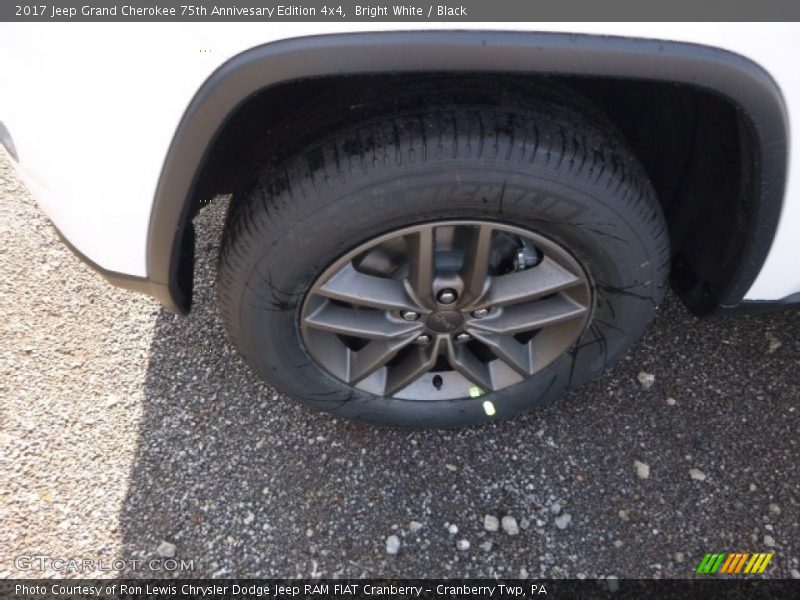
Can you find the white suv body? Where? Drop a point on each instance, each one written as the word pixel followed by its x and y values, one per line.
pixel 93 110
pixel 670 147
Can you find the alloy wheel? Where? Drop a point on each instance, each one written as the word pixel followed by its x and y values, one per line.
pixel 446 310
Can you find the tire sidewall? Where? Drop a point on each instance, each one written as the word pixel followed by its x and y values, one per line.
pixel 591 224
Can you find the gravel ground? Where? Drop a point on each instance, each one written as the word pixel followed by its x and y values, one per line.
pixel 130 433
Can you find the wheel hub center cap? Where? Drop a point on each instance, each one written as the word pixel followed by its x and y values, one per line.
pixel 445 321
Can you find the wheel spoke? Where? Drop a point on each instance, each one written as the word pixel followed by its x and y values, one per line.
pixel 466 363
pixel 361 323
pixel 414 366
pixel 420 264
pixel 527 317
pixel 542 280
pixel 516 355
pixel 477 254
pixel 372 357
pixel 348 285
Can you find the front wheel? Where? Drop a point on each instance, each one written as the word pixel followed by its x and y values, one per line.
pixel 444 266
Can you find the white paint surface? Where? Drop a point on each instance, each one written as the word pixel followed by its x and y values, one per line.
pixel 92 109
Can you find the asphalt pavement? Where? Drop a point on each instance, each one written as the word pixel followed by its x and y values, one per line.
pixel 129 433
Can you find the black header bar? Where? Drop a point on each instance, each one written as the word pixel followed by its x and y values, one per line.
pixel 411 11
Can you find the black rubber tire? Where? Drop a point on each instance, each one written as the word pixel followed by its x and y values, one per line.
pixel 550 164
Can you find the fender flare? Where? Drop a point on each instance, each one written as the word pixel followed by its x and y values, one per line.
pixel 171 235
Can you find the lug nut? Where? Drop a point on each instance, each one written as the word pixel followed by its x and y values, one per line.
pixel 480 313
pixel 447 296
pixel 527 257
pixel 410 315
pixel 423 339
pixel 463 337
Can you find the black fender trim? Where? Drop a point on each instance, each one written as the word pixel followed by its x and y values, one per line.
pixel 740 80
pixel 757 307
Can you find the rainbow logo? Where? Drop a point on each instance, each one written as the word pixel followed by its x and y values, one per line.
pixel 733 563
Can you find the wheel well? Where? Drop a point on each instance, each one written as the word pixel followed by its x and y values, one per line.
pixel 696 147
pixel 711 128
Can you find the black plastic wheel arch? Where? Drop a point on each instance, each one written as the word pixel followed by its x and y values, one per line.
pixel 746 84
